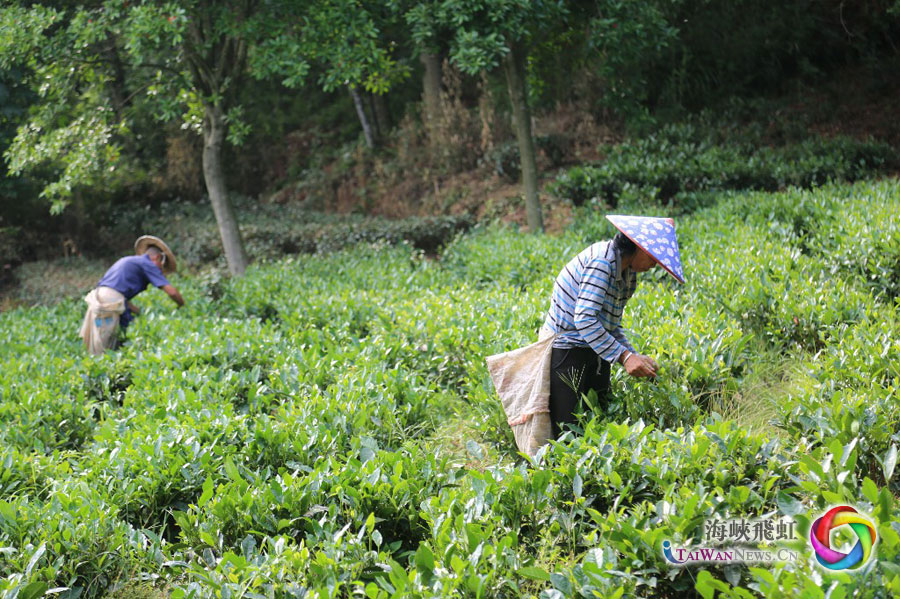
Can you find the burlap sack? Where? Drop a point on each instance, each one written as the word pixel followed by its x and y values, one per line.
pixel 522 380
pixel 101 321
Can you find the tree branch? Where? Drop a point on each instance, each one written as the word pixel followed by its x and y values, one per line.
pixel 199 69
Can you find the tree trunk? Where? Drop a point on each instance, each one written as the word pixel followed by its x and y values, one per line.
pixel 213 138
pixel 376 122
pixel 487 114
pixel 382 114
pixel 431 86
pixel 514 65
pixel 363 119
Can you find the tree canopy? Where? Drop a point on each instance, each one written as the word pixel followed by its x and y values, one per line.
pixel 102 86
pixel 91 62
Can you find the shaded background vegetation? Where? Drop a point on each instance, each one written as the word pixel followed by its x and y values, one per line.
pixel 326 425
pixel 748 72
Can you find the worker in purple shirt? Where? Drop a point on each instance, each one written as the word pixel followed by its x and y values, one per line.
pixel 110 303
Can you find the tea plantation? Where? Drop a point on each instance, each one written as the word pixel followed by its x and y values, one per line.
pixel 325 426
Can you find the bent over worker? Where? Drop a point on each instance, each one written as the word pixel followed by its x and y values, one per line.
pixel 109 305
pixel 589 297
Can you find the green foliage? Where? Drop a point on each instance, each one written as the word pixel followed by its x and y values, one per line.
pixel 97 69
pixel 677 162
pixel 272 231
pixel 482 33
pixel 628 38
pixel 671 54
pixel 506 156
pixel 87 85
pixel 10 248
pixel 284 434
pixel 346 37
pixel 73 125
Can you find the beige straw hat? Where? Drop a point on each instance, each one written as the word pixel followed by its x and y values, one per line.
pixel 145 241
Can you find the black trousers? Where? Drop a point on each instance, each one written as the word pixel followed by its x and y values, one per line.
pixel 574 372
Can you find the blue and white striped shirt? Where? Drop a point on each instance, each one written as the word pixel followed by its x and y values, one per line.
pixel 589 296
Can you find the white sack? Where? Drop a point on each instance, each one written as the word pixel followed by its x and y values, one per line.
pixel 101 321
pixel 522 380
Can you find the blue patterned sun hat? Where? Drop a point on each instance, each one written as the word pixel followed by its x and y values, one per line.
pixel 656 236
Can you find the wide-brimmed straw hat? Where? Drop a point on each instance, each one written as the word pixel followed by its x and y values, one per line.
pixel 656 236
pixel 144 242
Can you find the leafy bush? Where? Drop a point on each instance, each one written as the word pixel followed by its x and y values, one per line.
pixel 274 231
pixel 553 151
pixel 678 162
pixel 326 426
pixel 9 245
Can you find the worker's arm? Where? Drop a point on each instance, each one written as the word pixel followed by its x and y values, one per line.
pixel 637 365
pixel 173 294
pixel 588 313
pixel 619 335
pixel 134 309
pixel 589 299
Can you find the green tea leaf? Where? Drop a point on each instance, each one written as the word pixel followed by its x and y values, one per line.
pixel 424 559
pixel 8 512
pixel 832 497
pixel 869 490
pixel 787 505
pixel 703 585
pixel 534 573
pixel 232 471
pixel 33 590
pixel 615 479
pixel 35 558
pixel 207 493
pixel 561 583
pixel 733 574
pixel 889 463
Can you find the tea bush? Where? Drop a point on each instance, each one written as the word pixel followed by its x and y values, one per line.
pixel 678 162
pixel 326 427
pixel 273 231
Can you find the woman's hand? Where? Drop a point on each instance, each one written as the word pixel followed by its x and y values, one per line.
pixel 640 366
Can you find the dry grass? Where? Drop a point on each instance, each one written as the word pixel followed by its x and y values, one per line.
pixel 756 405
pixel 454 174
pixel 453 437
pixel 753 407
pixel 474 435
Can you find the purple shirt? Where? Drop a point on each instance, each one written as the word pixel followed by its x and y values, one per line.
pixel 131 275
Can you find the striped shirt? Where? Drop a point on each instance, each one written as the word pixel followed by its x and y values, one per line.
pixel 589 296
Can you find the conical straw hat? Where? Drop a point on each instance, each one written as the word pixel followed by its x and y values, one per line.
pixel 145 241
pixel 656 236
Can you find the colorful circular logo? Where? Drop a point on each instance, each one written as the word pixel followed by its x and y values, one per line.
pixel 820 537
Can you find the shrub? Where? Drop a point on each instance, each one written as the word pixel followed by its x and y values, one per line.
pixel 679 163
pixel 286 433
pixel 552 149
pixel 274 231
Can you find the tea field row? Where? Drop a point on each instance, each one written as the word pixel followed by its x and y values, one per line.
pixel 325 426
